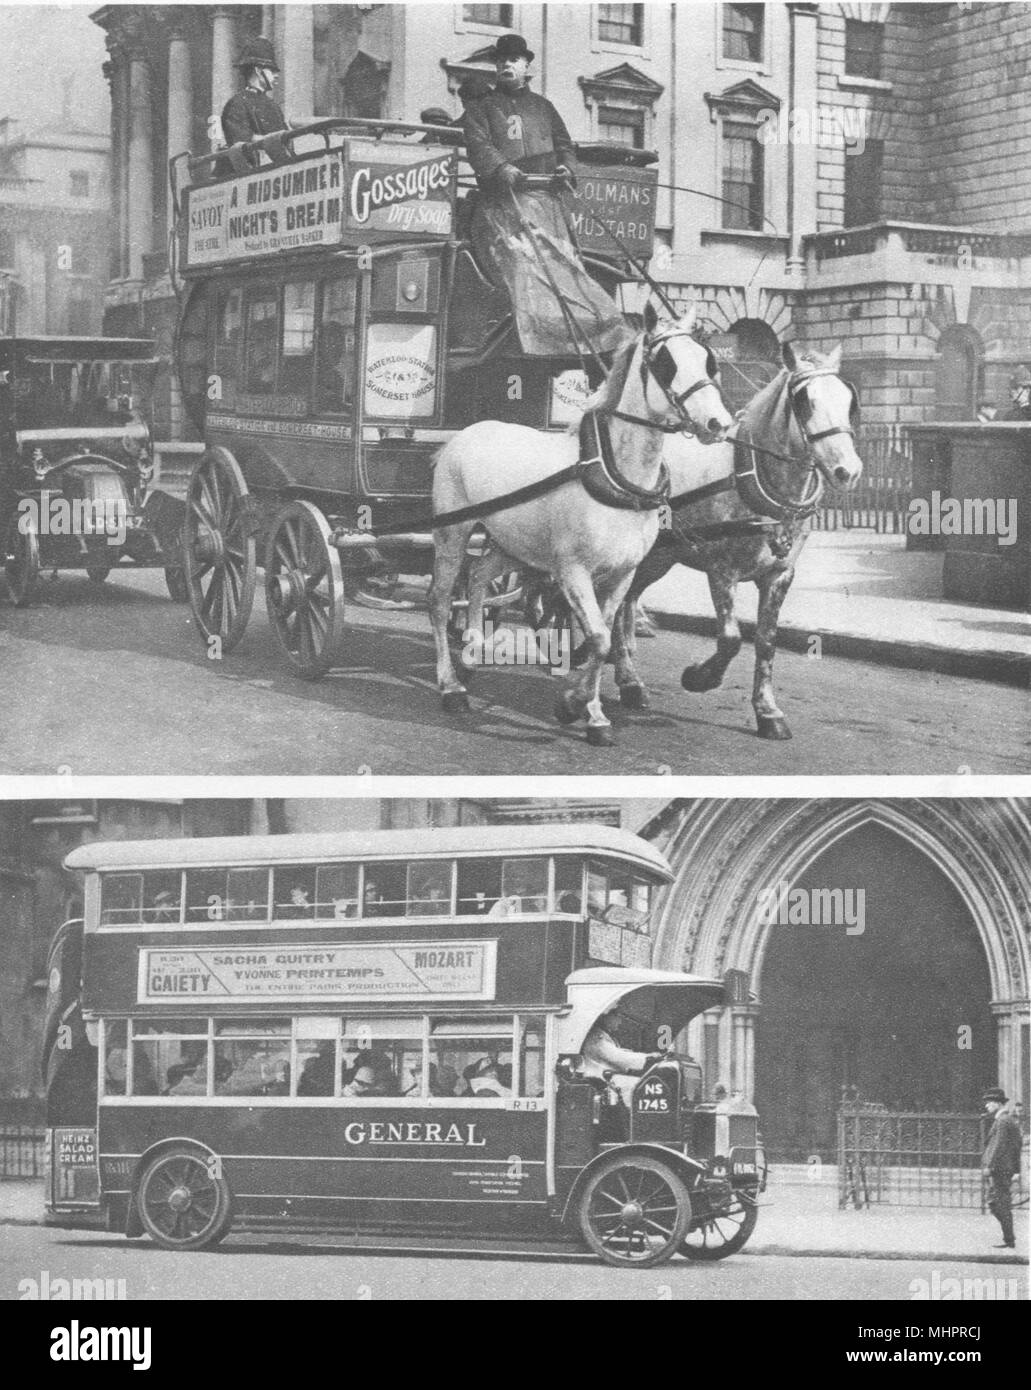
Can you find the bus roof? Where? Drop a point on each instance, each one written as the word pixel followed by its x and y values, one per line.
pixel 507 840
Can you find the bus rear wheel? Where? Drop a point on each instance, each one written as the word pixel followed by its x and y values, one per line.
pixel 635 1211
pixel 182 1204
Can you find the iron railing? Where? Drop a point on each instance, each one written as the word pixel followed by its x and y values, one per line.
pixel 880 500
pixel 911 1158
pixel 21 1151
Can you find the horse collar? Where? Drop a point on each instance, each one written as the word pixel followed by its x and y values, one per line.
pixel 602 478
pixel 755 493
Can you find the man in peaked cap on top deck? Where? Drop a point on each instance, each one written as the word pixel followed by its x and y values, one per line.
pixel 252 111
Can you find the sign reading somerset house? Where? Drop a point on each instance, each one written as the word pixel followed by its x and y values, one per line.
pixel 361 191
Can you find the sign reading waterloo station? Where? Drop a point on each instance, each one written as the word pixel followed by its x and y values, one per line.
pixel 433 970
pixel 363 189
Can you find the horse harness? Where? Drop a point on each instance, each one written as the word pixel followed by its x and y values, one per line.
pixel 659 362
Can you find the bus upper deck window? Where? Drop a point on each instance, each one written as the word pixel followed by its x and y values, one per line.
pixel 121 899
pixel 384 894
pixel 298 338
pixel 524 885
pixel 479 885
pixel 262 343
pixel 162 896
pixel 429 889
pixel 568 885
pixel 334 381
pixel 336 891
pixel 294 892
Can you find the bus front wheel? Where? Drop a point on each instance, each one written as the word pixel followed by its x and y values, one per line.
pixel 183 1200
pixel 635 1211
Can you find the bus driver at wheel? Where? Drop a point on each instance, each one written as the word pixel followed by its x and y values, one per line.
pixel 603 1052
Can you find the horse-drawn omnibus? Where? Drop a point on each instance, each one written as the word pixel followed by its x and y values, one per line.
pixel 336 329
pixel 438 1031
pixel 76 464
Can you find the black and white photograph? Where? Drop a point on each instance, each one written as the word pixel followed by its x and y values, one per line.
pixel 455 389
pixel 508 1048
pixel 515 651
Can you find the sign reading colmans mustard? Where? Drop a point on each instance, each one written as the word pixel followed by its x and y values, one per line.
pixel 363 190
pixel 434 970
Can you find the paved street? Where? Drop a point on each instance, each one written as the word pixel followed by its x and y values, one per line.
pixel 257 1267
pixel 117 682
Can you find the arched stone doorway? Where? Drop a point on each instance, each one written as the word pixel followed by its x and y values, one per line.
pixel 882 1004
pixel 959 375
pixel 966 857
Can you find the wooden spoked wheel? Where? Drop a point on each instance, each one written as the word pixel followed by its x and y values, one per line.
pixel 219 550
pixel 183 1202
pixel 20 559
pixel 304 589
pixel 724 1231
pixel 635 1210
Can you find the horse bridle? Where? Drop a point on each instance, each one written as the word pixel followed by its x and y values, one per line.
pixel 801 407
pixel 658 362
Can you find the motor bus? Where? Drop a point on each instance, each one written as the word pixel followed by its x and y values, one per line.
pixel 336 329
pixel 419 1031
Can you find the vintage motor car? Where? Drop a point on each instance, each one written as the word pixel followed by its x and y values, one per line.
pixel 76 463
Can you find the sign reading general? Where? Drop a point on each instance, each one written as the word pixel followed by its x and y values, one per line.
pixel 433 970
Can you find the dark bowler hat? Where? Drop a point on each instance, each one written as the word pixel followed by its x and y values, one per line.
pixel 511 46
pixel 258 53
pixel 995 1093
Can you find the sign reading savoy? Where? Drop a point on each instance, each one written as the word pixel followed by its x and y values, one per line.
pixel 433 970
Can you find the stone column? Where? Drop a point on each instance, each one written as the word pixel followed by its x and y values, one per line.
pixel 297 60
pixel 802 158
pixel 116 69
pixel 180 103
pixel 742 1049
pixel 1008 1017
pixel 223 74
pixel 140 189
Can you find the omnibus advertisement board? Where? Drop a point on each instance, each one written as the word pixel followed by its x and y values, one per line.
pixel 431 970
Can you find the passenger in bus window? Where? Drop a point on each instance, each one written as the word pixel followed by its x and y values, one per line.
pixel 188 1076
pixel 336 368
pixel 371 1075
pixel 511 906
pixel 483 1078
pixel 318 1073
pixel 165 906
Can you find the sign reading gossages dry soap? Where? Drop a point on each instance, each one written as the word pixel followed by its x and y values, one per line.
pixel 434 970
pixel 398 189
pixel 274 209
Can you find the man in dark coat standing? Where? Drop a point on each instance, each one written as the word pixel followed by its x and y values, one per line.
pixel 252 111
pixel 1001 1161
pixel 1020 396
pixel 521 237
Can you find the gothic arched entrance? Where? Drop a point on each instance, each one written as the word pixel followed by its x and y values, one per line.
pixel 896 1002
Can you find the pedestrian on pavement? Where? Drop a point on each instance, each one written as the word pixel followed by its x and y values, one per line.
pixel 1001 1161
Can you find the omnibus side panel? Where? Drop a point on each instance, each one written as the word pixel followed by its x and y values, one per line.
pixel 343 1155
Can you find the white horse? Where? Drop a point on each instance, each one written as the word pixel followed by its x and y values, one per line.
pixel 662 382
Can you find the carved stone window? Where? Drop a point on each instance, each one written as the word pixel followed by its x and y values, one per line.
pixel 622 101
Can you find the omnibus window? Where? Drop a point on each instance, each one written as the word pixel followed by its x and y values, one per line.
pixel 228 333
pixel 531 1058
pixel 479 885
pixel 334 386
pixel 476 1055
pixel 317 1063
pixel 121 898
pixel 568 886
pixel 162 896
pixel 247 895
pixel 206 895
pixel 381 1057
pixel 170 1058
pixel 524 884
pixel 116 1057
pixel 429 890
pixel 336 890
pixel 298 338
pixel 252 1058
pixel 262 344
pixel 385 892
pixel 294 892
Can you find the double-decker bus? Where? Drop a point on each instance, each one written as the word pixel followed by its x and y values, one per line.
pixel 438 1030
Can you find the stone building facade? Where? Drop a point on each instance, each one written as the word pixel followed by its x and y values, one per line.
pixel 872 160
pixel 54 223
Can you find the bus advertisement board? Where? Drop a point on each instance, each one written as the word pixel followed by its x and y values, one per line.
pixel 431 970
pixel 261 214
pixel 623 201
